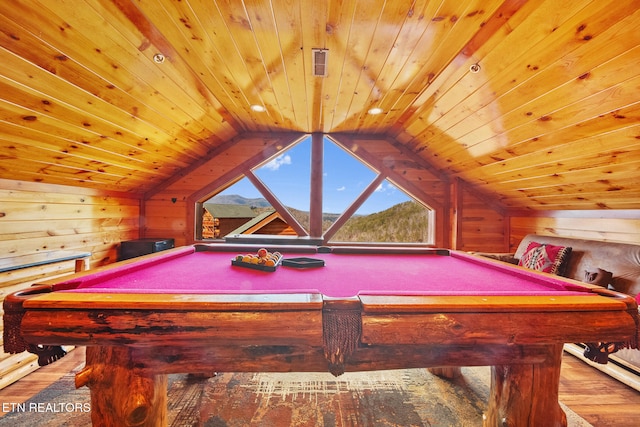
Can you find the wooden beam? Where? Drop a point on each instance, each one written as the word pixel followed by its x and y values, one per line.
pixel 317 170
pixel 346 215
pixel 275 202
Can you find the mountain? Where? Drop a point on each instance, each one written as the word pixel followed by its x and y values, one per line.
pixel 234 199
pixel 403 223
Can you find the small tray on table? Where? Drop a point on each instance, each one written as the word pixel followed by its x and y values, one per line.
pixel 303 262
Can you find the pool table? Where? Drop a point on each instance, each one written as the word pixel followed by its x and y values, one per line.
pixel 189 310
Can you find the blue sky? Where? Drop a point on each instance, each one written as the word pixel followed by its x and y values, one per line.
pixel 344 179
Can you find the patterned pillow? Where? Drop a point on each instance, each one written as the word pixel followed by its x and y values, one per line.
pixel 547 258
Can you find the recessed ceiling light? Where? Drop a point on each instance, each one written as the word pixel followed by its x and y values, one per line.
pixel 258 108
pixel 375 110
pixel 158 58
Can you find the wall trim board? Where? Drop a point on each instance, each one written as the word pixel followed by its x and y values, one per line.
pixel 599 213
pixel 10 184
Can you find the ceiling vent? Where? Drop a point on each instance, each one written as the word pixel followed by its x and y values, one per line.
pixel 319 61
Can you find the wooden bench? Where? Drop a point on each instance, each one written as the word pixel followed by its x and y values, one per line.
pixel 20 272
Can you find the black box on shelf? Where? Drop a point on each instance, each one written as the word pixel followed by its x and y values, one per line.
pixel 139 247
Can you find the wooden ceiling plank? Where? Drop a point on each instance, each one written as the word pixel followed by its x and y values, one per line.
pixel 97 60
pixel 57 174
pixel 219 55
pixel 16 152
pixel 173 77
pixel 47 94
pixel 372 37
pixel 574 88
pixel 503 18
pixel 288 18
pixel 75 124
pixel 23 106
pixel 337 88
pixel 595 201
pixel 600 104
pixel 254 87
pixel 584 165
pixel 319 23
pixel 612 131
pixel 277 41
pixel 593 151
pixel 563 97
pixel 610 174
pixel 22 125
pixel 602 193
pixel 543 29
pixel 604 104
pixel 234 71
pixel 463 20
pixel 540 69
pixel 479 87
pixel 194 54
pixel 408 55
pixel 556 93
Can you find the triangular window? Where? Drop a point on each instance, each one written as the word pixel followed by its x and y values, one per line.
pixel 359 204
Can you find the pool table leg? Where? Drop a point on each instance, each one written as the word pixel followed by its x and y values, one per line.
pixel 449 372
pixel 526 394
pixel 121 395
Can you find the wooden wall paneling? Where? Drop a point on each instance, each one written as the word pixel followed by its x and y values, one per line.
pixel 478 221
pixel 455 207
pixel 16 366
pixel 164 218
pixel 14 280
pixel 38 217
pixel 615 226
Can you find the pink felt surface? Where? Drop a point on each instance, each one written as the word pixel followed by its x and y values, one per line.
pixel 343 275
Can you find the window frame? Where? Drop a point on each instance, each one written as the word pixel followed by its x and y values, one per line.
pixel 315 232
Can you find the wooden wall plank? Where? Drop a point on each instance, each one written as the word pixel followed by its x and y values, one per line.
pixel 38 217
pixel 601 225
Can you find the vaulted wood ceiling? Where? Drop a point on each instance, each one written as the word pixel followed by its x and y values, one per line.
pixel 547 119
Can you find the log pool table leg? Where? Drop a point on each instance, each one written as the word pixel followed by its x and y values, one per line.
pixel 120 394
pixel 526 394
pixel 448 372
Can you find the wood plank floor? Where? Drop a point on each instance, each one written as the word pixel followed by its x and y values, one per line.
pixel 596 397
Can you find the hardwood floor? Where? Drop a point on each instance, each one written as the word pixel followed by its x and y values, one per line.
pixel 596 397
